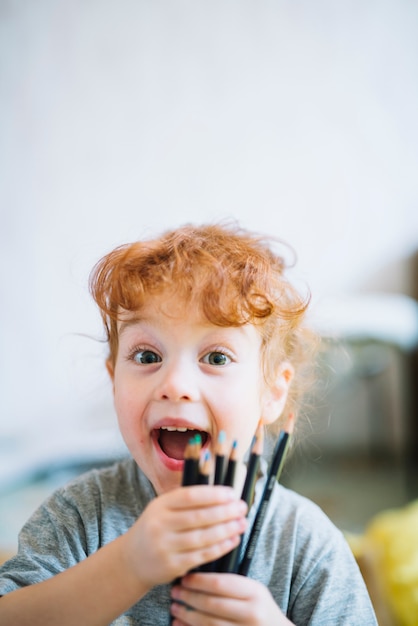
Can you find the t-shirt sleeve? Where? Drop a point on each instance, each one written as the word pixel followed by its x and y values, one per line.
pixel 75 521
pixel 53 539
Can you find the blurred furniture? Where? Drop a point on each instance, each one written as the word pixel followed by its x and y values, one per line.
pixel 366 401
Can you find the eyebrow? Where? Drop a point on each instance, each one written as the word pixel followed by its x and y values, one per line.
pixel 128 323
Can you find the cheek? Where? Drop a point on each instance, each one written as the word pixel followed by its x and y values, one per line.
pixel 127 409
pixel 241 409
pixel 130 425
pixel 248 392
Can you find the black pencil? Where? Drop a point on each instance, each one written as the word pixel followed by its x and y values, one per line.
pixel 203 478
pixel 220 459
pixel 191 461
pixel 220 462
pixel 205 469
pixel 272 477
pixel 191 473
pixel 229 562
pixel 232 465
pixel 218 565
pixel 253 465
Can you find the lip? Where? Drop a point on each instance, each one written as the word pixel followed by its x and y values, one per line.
pixel 174 465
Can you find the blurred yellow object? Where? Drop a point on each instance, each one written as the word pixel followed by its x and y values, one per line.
pixel 387 553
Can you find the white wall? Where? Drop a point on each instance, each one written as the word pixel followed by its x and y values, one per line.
pixel 118 119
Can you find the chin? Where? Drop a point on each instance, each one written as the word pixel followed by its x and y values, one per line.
pixel 163 486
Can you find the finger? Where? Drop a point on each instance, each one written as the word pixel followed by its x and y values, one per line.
pixel 190 616
pixel 178 622
pixel 197 496
pixel 196 539
pixel 239 587
pixel 185 561
pixel 222 607
pixel 235 599
pixel 207 516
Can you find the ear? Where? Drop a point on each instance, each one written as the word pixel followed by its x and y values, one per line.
pixel 111 371
pixel 275 395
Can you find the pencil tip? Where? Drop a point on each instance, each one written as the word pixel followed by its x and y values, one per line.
pixel 290 424
pixel 222 436
pixel 258 440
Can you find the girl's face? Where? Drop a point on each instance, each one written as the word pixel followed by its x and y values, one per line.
pixel 175 373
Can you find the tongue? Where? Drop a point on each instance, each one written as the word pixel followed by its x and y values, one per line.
pixel 173 443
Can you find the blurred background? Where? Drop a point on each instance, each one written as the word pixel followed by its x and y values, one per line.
pixel 299 119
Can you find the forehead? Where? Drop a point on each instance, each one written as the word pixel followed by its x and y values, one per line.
pixel 161 307
pixel 169 313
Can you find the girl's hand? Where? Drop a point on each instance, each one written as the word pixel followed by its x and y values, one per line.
pixel 212 599
pixel 182 529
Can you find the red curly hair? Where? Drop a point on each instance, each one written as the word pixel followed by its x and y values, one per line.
pixel 231 274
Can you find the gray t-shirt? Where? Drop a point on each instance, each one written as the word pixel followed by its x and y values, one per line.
pixel 301 556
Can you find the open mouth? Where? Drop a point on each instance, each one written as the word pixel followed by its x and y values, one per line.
pixel 173 441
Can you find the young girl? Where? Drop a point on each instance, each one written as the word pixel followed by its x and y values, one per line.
pixel 205 336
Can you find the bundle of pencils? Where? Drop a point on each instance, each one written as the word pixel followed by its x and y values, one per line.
pixel 273 475
pixel 198 469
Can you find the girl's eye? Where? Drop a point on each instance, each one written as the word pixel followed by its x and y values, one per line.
pixel 216 358
pixel 145 357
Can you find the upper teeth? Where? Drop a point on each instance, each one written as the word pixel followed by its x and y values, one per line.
pixel 173 428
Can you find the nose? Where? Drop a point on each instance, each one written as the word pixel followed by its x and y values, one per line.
pixel 178 381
